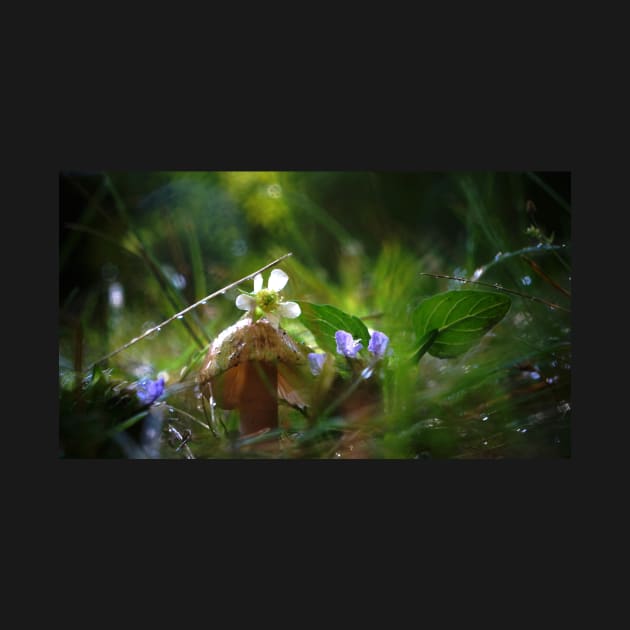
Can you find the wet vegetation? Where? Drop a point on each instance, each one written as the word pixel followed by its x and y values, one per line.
pixel 399 315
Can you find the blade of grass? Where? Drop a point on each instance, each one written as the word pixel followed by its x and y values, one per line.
pixel 537 249
pixel 127 423
pixel 196 261
pixel 174 298
pixel 552 193
pixel 86 217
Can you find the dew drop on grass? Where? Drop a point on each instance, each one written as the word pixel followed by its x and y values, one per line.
pixel 180 317
pixel 147 328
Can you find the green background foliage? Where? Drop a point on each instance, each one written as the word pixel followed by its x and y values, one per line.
pixel 135 248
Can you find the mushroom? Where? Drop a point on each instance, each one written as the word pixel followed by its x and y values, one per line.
pixel 252 365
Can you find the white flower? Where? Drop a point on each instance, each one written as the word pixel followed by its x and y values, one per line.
pixel 269 302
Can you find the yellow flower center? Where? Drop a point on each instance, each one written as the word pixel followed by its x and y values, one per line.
pixel 267 299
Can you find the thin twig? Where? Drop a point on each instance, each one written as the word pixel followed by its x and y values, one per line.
pixel 536 267
pixel 146 333
pixel 498 287
pixel 185 413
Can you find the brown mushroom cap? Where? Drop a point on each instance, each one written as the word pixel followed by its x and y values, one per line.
pixel 249 341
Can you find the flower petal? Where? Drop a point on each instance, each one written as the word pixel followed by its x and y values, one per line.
pixel 258 282
pixel 290 310
pixel 316 362
pixel 378 344
pixel 149 391
pixel 273 319
pixel 277 280
pixel 245 302
pixel 346 345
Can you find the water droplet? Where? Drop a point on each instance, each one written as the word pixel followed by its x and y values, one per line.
pixel 180 317
pixel 204 301
pixel 498 256
pixel 367 372
pixel 337 454
pixel 497 285
pixel 484 419
pixel 239 247
pixel 146 329
pixel 485 442
pixel 116 295
pixel 274 191
pixel 526 281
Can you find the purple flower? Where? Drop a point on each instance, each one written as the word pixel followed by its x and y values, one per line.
pixel 346 345
pixel 149 391
pixel 316 362
pixel 378 344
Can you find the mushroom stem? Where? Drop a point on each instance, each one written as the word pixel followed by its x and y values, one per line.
pixel 259 397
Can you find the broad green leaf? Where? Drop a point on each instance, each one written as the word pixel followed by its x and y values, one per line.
pixel 449 324
pixel 324 321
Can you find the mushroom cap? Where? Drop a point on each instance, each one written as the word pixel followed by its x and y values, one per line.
pixel 251 341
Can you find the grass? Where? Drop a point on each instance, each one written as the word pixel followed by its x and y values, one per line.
pixel 372 245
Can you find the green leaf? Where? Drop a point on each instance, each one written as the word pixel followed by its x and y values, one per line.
pixel 324 321
pixel 450 323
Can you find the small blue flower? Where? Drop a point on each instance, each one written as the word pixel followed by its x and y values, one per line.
pixel 346 345
pixel 149 391
pixel 316 362
pixel 378 344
